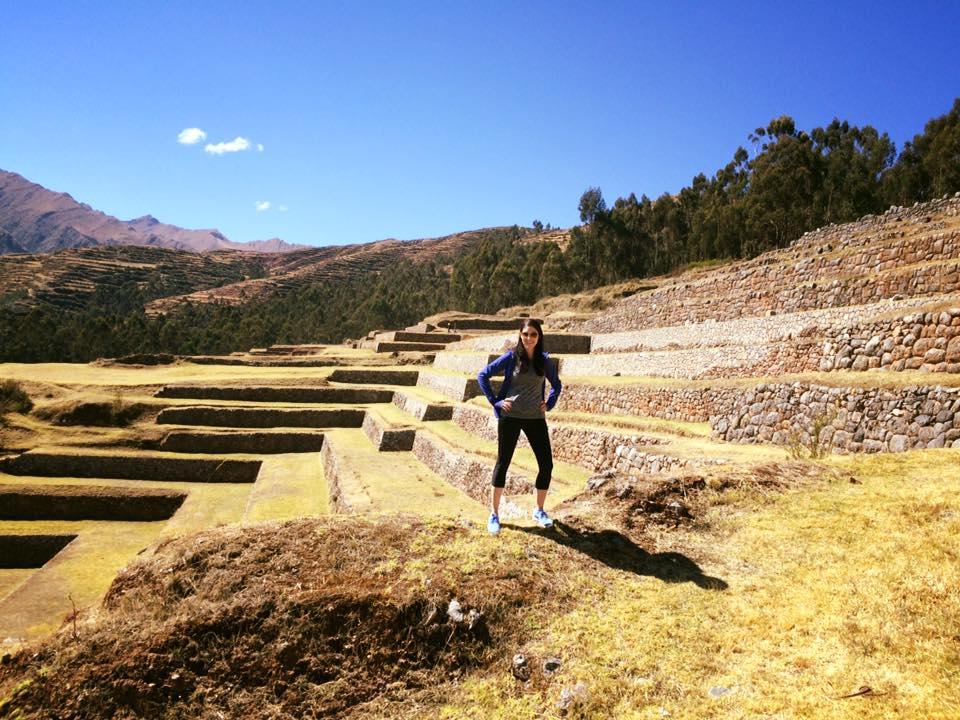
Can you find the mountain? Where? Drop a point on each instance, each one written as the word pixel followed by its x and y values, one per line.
pixel 34 219
pixel 7 244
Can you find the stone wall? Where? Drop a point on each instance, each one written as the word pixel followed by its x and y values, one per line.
pixel 854 419
pixel 922 341
pixel 463 362
pixel 844 419
pixel 824 340
pixel 469 473
pixel 420 408
pixel 386 438
pixel 905 252
pixel 454 386
pixel 929 342
pixel 595 449
pixel 670 403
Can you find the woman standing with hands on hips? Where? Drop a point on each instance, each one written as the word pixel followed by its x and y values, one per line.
pixel 522 404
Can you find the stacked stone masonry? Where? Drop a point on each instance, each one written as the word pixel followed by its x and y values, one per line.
pixel 844 419
pixel 925 341
pixel 669 403
pixel 853 419
pixel 595 449
pixel 469 473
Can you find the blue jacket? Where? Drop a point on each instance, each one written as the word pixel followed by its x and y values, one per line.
pixel 505 364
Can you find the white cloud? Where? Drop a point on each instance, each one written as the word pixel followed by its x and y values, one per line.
pixel 259 147
pixel 281 208
pixel 262 205
pixel 235 145
pixel 191 136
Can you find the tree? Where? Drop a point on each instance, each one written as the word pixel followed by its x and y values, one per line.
pixel 929 166
pixel 592 205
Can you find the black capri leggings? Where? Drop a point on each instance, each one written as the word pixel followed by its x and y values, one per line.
pixel 508 432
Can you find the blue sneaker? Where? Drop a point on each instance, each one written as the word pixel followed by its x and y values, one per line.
pixel 541 518
pixel 493 524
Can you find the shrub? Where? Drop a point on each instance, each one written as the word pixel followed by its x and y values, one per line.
pixel 813 445
pixel 13 398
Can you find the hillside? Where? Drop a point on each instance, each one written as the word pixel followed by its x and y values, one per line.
pixel 37 220
pixel 69 278
pixel 342 263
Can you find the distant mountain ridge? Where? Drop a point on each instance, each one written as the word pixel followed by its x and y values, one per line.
pixel 34 219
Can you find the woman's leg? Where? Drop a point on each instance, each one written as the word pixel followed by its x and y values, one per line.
pixel 508 432
pixel 539 437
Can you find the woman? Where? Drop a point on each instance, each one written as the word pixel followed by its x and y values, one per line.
pixel 520 405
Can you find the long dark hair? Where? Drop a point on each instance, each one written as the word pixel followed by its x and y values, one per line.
pixel 520 352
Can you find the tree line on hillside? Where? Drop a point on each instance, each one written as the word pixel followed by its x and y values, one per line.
pixel 791 182
pixel 788 182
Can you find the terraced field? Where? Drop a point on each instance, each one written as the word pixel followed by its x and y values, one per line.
pixel 68 279
pixel 714 484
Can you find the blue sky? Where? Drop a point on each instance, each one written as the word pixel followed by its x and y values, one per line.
pixel 415 119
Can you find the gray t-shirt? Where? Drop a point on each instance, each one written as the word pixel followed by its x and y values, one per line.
pixel 527 391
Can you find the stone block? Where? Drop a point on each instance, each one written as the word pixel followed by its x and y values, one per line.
pixel 841 438
pixel 899 443
pixel 952 353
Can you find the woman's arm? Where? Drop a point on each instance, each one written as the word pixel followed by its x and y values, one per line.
pixel 550 367
pixel 494 368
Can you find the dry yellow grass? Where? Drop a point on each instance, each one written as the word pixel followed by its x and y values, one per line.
pixel 832 587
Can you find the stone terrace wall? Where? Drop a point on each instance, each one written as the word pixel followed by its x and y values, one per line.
pixel 929 342
pixel 748 330
pixel 851 419
pixel 860 419
pixel 908 252
pixel 592 448
pixel 669 403
pixel 924 341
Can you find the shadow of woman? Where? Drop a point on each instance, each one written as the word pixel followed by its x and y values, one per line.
pixel 616 550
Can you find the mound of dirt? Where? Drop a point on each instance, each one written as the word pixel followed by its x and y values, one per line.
pixel 613 500
pixel 314 618
pixel 95 414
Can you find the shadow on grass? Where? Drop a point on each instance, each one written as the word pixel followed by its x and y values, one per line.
pixel 616 550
